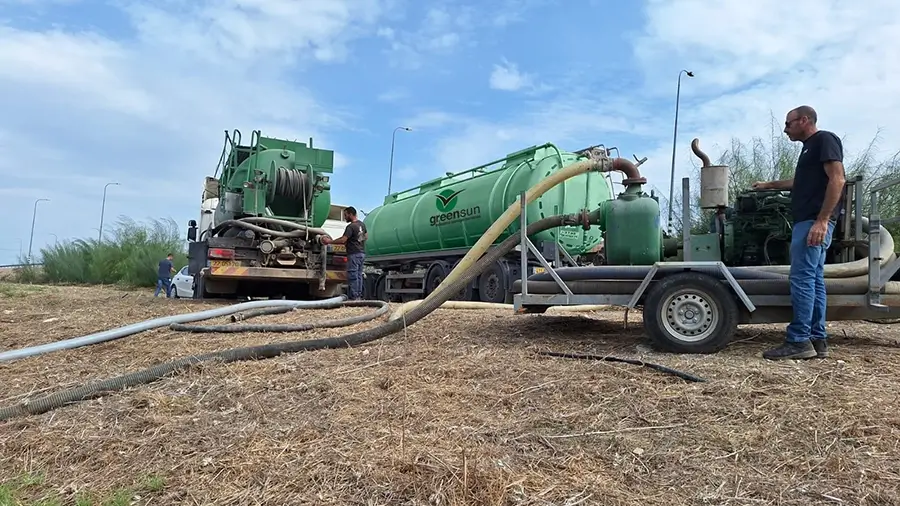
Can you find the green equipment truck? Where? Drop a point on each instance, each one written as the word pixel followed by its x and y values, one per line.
pixel 418 235
pixel 260 223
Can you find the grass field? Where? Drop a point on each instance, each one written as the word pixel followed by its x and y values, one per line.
pixel 459 409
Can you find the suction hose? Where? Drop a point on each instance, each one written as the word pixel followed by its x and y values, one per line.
pixel 127 330
pixel 476 305
pixel 246 223
pixel 464 273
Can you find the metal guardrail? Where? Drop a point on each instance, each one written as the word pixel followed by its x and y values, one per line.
pixel 8 266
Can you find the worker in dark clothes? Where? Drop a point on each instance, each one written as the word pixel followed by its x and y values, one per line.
pixel 354 237
pixel 164 276
pixel 817 194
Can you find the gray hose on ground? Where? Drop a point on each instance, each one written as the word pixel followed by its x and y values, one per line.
pixel 443 293
pixel 134 328
pixel 383 308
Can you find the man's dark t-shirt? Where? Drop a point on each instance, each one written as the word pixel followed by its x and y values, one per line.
pixel 810 178
pixel 165 268
pixel 356 235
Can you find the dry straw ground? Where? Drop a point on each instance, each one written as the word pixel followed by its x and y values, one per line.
pixel 457 410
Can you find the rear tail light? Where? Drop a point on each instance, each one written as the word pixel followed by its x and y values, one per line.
pixel 221 253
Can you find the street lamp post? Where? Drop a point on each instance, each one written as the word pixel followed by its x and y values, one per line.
pixel 55 238
pixel 391 170
pixel 33 218
pixel 674 140
pixel 103 209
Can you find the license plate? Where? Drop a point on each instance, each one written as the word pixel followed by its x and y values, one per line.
pixel 338 248
pixel 538 270
pixel 224 263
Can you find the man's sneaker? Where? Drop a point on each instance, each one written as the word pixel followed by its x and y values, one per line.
pixel 821 348
pixel 791 351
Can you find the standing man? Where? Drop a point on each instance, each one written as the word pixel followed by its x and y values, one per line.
pixel 817 195
pixel 164 276
pixel 354 237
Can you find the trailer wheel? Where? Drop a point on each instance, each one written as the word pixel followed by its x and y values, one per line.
pixel 690 312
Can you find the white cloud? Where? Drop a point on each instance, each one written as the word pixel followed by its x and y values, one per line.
pixel 149 111
pixel 750 60
pixel 507 77
pixel 842 60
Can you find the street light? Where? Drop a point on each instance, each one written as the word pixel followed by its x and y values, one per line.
pixel 33 217
pixel 391 170
pixel 674 139
pixel 55 238
pixel 103 209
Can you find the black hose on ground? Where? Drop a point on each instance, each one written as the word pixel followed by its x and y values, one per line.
pixel 442 294
pixel 383 308
pixel 661 368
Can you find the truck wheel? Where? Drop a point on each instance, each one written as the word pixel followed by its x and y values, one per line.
pixel 466 293
pixel 690 312
pixel 380 285
pixel 493 284
pixel 437 271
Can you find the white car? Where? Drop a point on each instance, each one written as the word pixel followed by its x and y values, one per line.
pixel 183 284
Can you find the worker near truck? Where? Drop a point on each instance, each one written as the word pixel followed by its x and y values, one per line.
pixel 355 235
pixel 817 195
pixel 164 276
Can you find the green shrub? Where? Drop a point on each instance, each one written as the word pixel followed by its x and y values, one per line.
pixel 129 255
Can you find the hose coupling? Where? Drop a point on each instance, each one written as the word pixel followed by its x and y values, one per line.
pixel 584 219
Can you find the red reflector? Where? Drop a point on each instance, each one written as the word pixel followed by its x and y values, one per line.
pixel 339 260
pixel 221 253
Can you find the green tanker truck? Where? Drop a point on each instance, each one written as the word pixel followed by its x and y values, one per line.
pixel 261 221
pixel 418 235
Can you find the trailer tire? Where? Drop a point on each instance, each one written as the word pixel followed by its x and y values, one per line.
pixel 690 312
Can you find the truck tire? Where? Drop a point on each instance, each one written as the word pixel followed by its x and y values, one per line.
pixel 690 312
pixel 437 271
pixel 493 283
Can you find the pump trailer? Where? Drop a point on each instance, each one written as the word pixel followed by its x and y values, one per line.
pixel 696 290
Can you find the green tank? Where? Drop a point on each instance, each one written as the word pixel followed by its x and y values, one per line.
pixel 453 212
pixel 633 231
pixel 276 178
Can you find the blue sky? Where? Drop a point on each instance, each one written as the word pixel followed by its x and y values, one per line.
pixel 140 93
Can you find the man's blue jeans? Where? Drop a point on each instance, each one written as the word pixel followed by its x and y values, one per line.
pixel 163 283
pixel 807 284
pixel 355 274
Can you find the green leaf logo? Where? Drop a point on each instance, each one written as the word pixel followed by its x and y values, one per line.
pixel 446 200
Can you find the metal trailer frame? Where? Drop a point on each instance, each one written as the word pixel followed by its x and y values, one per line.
pixel 753 308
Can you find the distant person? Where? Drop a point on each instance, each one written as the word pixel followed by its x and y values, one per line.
pixel 354 237
pixel 164 276
pixel 817 195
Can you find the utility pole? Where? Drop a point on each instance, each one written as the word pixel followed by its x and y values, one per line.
pixel 33 217
pixel 103 209
pixel 674 140
pixel 391 170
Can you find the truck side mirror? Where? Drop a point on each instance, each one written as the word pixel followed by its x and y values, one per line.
pixel 192 230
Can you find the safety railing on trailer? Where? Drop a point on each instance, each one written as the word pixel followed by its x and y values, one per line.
pixel 526 246
pixel 878 275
